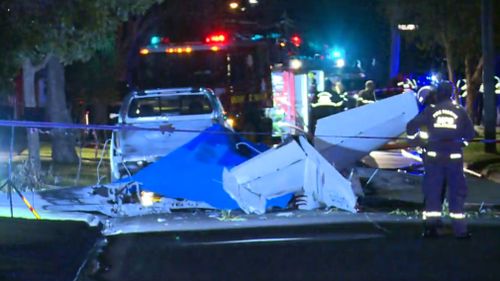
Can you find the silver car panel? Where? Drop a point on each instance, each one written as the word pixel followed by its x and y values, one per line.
pixel 155 109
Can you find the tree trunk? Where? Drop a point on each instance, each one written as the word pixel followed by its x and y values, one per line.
pixel 63 141
pixel 99 116
pixel 474 97
pixel 30 104
pixel 450 63
pixel 490 114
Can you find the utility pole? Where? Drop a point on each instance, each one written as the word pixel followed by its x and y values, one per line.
pixel 395 51
pixel 489 109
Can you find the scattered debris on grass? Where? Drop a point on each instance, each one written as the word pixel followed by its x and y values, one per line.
pixel 482 212
pixel 285 214
pixel 225 215
pixel 331 210
pixel 415 214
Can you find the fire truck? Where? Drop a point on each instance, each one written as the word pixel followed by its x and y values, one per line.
pixel 238 71
pixel 263 86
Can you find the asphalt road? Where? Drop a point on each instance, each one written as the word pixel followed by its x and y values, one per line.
pixel 33 250
pixel 366 251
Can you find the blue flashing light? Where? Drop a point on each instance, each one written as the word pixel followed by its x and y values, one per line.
pixel 274 35
pixel 155 40
pixel 336 53
pixel 257 37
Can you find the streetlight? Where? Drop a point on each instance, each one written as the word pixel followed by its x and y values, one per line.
pixel 407 27
pixel 233 5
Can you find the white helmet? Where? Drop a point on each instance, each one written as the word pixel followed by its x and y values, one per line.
pixel 424 93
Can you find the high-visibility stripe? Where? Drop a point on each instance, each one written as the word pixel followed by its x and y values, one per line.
pixel 455 156
pixel 424 135
pixel 366 101
pixel 338 104
pixel 457 216
pixel 412 137
pixel 431 153
pixel 432 214
pixel 31 208
pixel 35 213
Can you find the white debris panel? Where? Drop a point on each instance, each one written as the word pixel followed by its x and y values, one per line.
pixel 291 168
pixel 346 137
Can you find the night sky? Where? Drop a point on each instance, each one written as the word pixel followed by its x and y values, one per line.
pixel 359 26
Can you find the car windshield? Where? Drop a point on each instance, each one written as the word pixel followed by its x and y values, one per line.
pixel 170 105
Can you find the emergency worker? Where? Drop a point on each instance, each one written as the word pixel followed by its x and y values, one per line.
pixel 367 95
pixel 446 126
pixel 326 105
pixel 340 91
pixel 425 96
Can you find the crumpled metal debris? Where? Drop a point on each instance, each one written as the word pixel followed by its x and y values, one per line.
pixel 295 167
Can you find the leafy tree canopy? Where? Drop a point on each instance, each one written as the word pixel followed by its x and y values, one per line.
pixel 441 24
pixel 72 30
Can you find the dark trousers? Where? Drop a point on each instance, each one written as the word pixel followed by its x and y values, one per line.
pixel 437 173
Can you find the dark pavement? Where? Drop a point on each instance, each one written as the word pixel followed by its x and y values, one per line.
pixel 361 251
pixel 33 250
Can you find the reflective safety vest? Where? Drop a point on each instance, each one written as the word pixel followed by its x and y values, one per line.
pixel 325 99
pixel 447 126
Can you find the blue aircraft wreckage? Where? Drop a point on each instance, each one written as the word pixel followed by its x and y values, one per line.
pixel 219 169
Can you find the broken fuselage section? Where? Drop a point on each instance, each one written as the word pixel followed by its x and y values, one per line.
pixel 294 168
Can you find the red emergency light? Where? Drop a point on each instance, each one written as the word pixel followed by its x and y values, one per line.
pixel 296 40
pixel 216 38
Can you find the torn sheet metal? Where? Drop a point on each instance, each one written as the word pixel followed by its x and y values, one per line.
pixel 290 168
pixel 273 173
pixel 194 170
pixel 110 200
pixel 346 137
pixel 389 159
pixel 325 184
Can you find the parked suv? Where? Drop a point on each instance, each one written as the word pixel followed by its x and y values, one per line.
pixel 187 110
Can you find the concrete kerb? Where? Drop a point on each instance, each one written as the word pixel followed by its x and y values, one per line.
pixel 206 221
